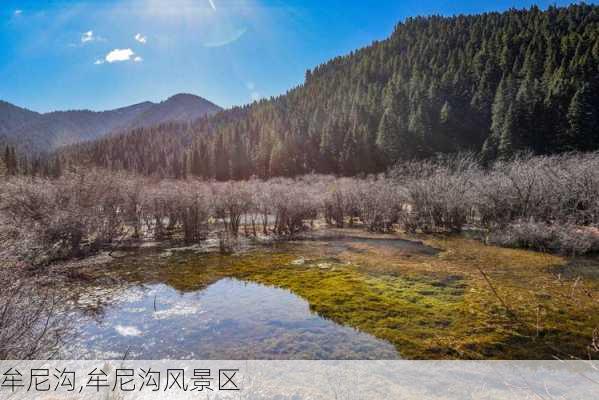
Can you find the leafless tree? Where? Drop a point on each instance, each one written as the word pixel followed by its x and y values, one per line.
pixel 31 326
pixel 230 202
pixel 439 195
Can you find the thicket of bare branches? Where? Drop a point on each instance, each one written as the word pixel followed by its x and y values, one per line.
pixel 439 195
pixel 30 325
pixel 547 203
pixel 53 219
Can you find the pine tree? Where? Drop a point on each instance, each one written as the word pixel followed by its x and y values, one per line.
pixel 240 165
pixel 277 158
pixel 6 160
pixel 184 166
pixel 3 169
pixel 205 163
pixel 583 117
pixel 328 150
pixel 221 160
pixel 388 137
pixel 419 126
pixel 195 168
pixel 508 142
pixel 57 170
pixel 262 157
pixel 11 161
pixel 349 156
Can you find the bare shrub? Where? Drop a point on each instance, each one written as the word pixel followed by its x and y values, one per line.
pixel 64 218
pixel 566 239
pixel 193 210
pixel 133 210
pixel 292 206
pixel 551 189
pixel 262 202
pixel 230 202
pixel 378 203
pixel 156 213
pixel 226 244
pixel 42 220
pixel 341 202
pixel 438 194
pixel 515 190
pixel 573 188
pixel 30 325
pixel 334 207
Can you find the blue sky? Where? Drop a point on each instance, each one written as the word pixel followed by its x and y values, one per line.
pixel 57 55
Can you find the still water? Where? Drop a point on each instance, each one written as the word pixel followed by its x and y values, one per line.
pixel 229 319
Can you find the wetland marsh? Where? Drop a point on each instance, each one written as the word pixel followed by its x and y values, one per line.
pixel 343 294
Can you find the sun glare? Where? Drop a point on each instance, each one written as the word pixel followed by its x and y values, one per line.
pixel 212 23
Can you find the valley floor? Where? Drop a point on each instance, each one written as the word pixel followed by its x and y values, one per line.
pixel 421 296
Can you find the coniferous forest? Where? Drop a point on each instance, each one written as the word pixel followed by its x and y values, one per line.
pixel 496 84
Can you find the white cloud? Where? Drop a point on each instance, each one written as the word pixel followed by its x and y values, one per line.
pixel 141 38
pixel 18 12
pixel 250 85
pixel 117 55
pixel 255 96
pixel 212 4
pixel 88 37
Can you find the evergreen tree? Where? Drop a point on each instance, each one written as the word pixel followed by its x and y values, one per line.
pixel 3 169
pixel 508 139
pixel 195 168
pixel 57 170
pixel 10 160
pixel 240 165
pixel 583 117
pixel 388 139
pixel 221 160
pixel 349 156
pixel 277 159
pixel 6 160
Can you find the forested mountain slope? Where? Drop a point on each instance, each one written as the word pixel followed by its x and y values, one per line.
pixel 32 132
pixel 12 117
pixel 496 83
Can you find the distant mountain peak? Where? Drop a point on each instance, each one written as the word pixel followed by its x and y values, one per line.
pixel 182 107
pixel 184 96
pixel 190 99
pixel 33 131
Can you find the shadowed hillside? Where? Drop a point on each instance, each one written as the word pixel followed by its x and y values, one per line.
pixel 31 132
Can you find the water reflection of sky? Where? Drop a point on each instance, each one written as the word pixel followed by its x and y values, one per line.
pixel 229 319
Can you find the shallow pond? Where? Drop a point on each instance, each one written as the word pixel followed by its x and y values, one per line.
pixel 229 319
pixel 337 297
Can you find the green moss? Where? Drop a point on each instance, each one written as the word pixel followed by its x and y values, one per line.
pixel 429 307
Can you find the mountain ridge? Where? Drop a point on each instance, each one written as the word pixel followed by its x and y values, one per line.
pixel 32 132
